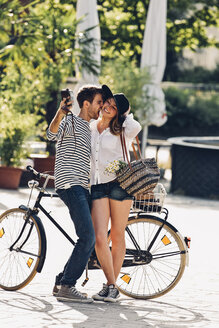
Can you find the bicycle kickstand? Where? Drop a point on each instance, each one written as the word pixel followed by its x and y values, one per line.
pixel 87 278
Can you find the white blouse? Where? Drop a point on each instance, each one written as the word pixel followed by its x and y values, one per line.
pixel 106 147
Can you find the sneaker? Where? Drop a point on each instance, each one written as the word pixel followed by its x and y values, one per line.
pixel 56 288
pixel 102 294
pixel 113 294
pixel 71 294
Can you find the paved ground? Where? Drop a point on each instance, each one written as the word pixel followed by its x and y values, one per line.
pixel 194 302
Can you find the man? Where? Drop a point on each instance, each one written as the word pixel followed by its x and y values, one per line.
pixel 72 169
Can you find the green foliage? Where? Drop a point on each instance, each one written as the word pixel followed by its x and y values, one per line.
pixel 122 27
pixel 190 113
pixel 197 74
pixel 15 129
pixel 43 34
pixel 122 75
pixel 123 23
pixel 38 52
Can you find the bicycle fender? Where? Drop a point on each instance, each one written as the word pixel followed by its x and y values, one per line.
pixel 140 216
pixel 43 238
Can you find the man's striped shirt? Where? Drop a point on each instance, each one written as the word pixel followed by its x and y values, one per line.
pixel 73 149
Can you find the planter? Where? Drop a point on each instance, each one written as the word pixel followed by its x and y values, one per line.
pixel 45 165
pixel 10 177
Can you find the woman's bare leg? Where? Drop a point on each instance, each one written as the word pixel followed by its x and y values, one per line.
pixel 119 216
pixel 100 215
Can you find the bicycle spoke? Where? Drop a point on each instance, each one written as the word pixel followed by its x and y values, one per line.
pixel 151 274
pixel 18 265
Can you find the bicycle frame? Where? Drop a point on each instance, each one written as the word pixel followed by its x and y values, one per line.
pixel 38 206
pixel 141 256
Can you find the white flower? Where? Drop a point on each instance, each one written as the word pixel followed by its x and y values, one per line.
pixel 114 166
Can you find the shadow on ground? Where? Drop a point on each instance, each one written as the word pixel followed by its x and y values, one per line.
pixel 51 313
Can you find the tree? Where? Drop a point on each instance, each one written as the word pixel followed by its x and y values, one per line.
pixel 38 47
pixel 123 23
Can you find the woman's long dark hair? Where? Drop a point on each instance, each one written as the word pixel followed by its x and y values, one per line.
pixel 116 124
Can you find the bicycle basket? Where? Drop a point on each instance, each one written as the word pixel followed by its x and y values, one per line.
pixel 151 202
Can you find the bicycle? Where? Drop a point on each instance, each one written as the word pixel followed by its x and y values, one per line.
pixel 156 253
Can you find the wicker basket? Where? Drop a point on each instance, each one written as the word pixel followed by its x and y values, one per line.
pixel 151 202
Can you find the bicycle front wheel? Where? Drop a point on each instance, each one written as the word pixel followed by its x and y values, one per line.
pixel 20 249
pixel 155 258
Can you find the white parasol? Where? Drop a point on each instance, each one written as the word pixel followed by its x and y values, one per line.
pixel 154 58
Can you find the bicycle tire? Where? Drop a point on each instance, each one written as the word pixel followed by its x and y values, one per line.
pixel 18 267
pixel 142 280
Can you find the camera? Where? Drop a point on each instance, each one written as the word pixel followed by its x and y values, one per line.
pixel 69 95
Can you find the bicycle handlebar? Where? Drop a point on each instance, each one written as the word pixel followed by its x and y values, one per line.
pixel 38 174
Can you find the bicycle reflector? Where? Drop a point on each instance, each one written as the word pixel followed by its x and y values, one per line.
pixel 165 240
pixel 126 278
pixel 2 232
pixel 30 262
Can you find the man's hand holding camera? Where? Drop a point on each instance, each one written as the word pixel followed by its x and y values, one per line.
pixel 67 96
pixel 66 105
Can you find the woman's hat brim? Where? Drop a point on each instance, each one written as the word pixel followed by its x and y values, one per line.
pixel 107 93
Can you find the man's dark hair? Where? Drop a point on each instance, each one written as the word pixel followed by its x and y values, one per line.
pixel 87 93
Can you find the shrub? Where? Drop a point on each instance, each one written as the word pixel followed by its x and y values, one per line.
pixel 190 113
pixel 197 74
pixel 15 129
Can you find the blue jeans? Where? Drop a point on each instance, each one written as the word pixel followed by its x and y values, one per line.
pixel 77 199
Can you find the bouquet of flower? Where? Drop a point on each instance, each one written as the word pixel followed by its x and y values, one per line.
pixel 115 166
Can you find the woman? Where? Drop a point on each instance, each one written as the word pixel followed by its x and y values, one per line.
pixel 109 200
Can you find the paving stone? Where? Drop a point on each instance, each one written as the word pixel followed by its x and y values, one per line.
pixel 193 303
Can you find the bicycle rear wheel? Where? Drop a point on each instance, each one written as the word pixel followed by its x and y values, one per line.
pixel 151 272
pixel 19 257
